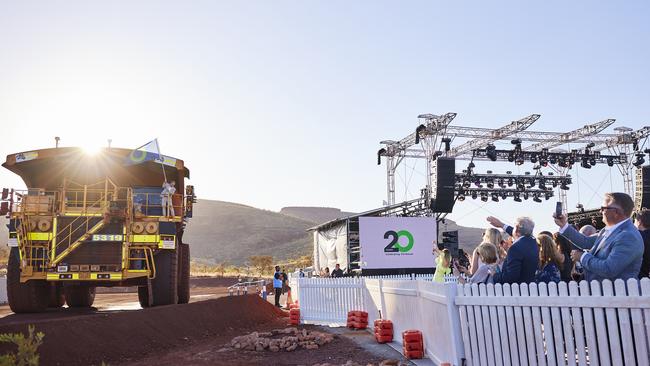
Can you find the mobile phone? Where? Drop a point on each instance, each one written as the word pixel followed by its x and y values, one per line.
pixel 558 209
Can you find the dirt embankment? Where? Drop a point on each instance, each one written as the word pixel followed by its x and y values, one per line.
pixel 124 336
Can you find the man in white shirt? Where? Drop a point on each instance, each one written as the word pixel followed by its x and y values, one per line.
pixel 617 250
pixel 169 188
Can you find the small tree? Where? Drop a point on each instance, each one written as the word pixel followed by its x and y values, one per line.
pixel 221 269
pixel 27 347
pixel 262 263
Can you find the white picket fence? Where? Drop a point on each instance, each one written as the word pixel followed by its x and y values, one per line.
pixel 555 324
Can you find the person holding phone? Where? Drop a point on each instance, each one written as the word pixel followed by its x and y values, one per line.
pixel 617 250
pixel 523 256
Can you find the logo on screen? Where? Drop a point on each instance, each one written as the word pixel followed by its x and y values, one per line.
pixel 394 246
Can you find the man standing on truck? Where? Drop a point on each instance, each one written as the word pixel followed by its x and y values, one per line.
pixel 169 188
pixel 277 285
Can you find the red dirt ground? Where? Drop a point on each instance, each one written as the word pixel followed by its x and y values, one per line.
pixel 191 334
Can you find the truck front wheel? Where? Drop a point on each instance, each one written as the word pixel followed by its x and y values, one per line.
pixel 165 285
pixel 29 297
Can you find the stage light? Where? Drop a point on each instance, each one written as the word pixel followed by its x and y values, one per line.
pixel 471 165
pixel 639 160
pixel 525 195
pixel 491 153
pixel 510 182
pixel 516 197
pixel 542 183
pixel 564 186
pixel 547 196
pixel 536 198
pixel 585 163
pixel 504 195
pixel 592 161
pixel 490 184
pixel 474 195
pixel 461 197
pixel 562 163
pixel 466 184
pixel 552 160
pixel 533 158
pixel 519 160
pixel 484 197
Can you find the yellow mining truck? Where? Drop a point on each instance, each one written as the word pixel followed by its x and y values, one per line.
pixel 88 221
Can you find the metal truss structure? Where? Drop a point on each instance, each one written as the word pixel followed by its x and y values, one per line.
pixel 434 137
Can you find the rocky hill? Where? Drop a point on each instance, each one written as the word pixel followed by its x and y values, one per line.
pixel 315 214
pixel 231 233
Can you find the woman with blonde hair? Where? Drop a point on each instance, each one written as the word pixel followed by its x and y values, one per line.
pixel 488 257
pixel 549 260
pixel 490 235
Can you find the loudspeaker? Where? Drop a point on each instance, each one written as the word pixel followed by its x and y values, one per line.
pixel 642 188
pixel 443 180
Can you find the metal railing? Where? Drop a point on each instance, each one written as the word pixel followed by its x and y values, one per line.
pixel 242 287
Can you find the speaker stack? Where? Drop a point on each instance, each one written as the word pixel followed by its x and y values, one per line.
pixel 642 188
pixel 442 192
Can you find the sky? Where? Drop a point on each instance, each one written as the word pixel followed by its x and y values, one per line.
pixel 283 103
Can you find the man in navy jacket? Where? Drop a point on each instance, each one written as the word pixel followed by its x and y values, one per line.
pixel 523 256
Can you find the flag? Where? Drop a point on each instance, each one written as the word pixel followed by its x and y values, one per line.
pixel 147 152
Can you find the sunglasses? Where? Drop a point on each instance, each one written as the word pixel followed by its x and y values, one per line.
pixel 603 208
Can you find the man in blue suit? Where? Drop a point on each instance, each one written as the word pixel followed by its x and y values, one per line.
pixel 617 250
pixel 523 256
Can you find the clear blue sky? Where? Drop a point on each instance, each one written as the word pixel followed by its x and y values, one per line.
pixel 283 103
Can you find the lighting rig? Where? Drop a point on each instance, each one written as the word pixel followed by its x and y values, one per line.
pixel 586 158
pixel 501 186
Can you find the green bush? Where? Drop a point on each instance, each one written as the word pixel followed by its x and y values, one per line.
pixel 27 348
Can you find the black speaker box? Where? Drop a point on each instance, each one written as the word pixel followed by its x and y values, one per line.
pixel 642 188
pixel 442 192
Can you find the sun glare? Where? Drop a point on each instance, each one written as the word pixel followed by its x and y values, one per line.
pixel 91 149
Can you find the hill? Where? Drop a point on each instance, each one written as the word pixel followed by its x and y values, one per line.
pixel 231 233
pixel 316 215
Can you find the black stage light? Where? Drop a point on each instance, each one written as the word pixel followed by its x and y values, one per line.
pixel 564 186
pixel 504 195
pixel 490 184
pixel 592 161
pixel 585 163
pixel 474 195
pixel 562 163
pixel 536 198
pixel 542 183
pixel 639 160
pixel 519 160
pixel 466 184
pixel 610 162
pixel 461 197
pixel 548 195
pixel 533 158
pixel 510 182
pixel 516 197
pixel 495 197
pixel 525 195
pixel 484 197
pixel 552 159
pixel 491 153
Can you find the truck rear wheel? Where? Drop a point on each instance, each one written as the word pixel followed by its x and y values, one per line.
pixel 29 297
pixel 79 296
pixel 57 297
pixel 165 285
pixel 184 274
pixel 143 296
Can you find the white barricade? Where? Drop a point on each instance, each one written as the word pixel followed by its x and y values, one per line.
pixel 327 301
pixel 568 324
pixel 530 324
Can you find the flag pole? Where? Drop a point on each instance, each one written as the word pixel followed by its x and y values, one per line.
pixel 161 159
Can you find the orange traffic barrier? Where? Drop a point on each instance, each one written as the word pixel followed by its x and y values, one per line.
pixel 413 344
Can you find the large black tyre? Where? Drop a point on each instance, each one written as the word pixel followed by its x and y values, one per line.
pixel 165 285
pixel 56 296
pixel 79 296
pixel 143 296
pixel 184 273
pixel 29 297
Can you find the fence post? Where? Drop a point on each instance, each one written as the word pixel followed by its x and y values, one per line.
pixel 382 300
pixel 451 289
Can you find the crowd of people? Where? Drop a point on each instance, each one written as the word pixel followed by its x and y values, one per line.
pixel 515 254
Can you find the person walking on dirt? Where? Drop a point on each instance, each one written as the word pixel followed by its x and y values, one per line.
pixel 277 285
